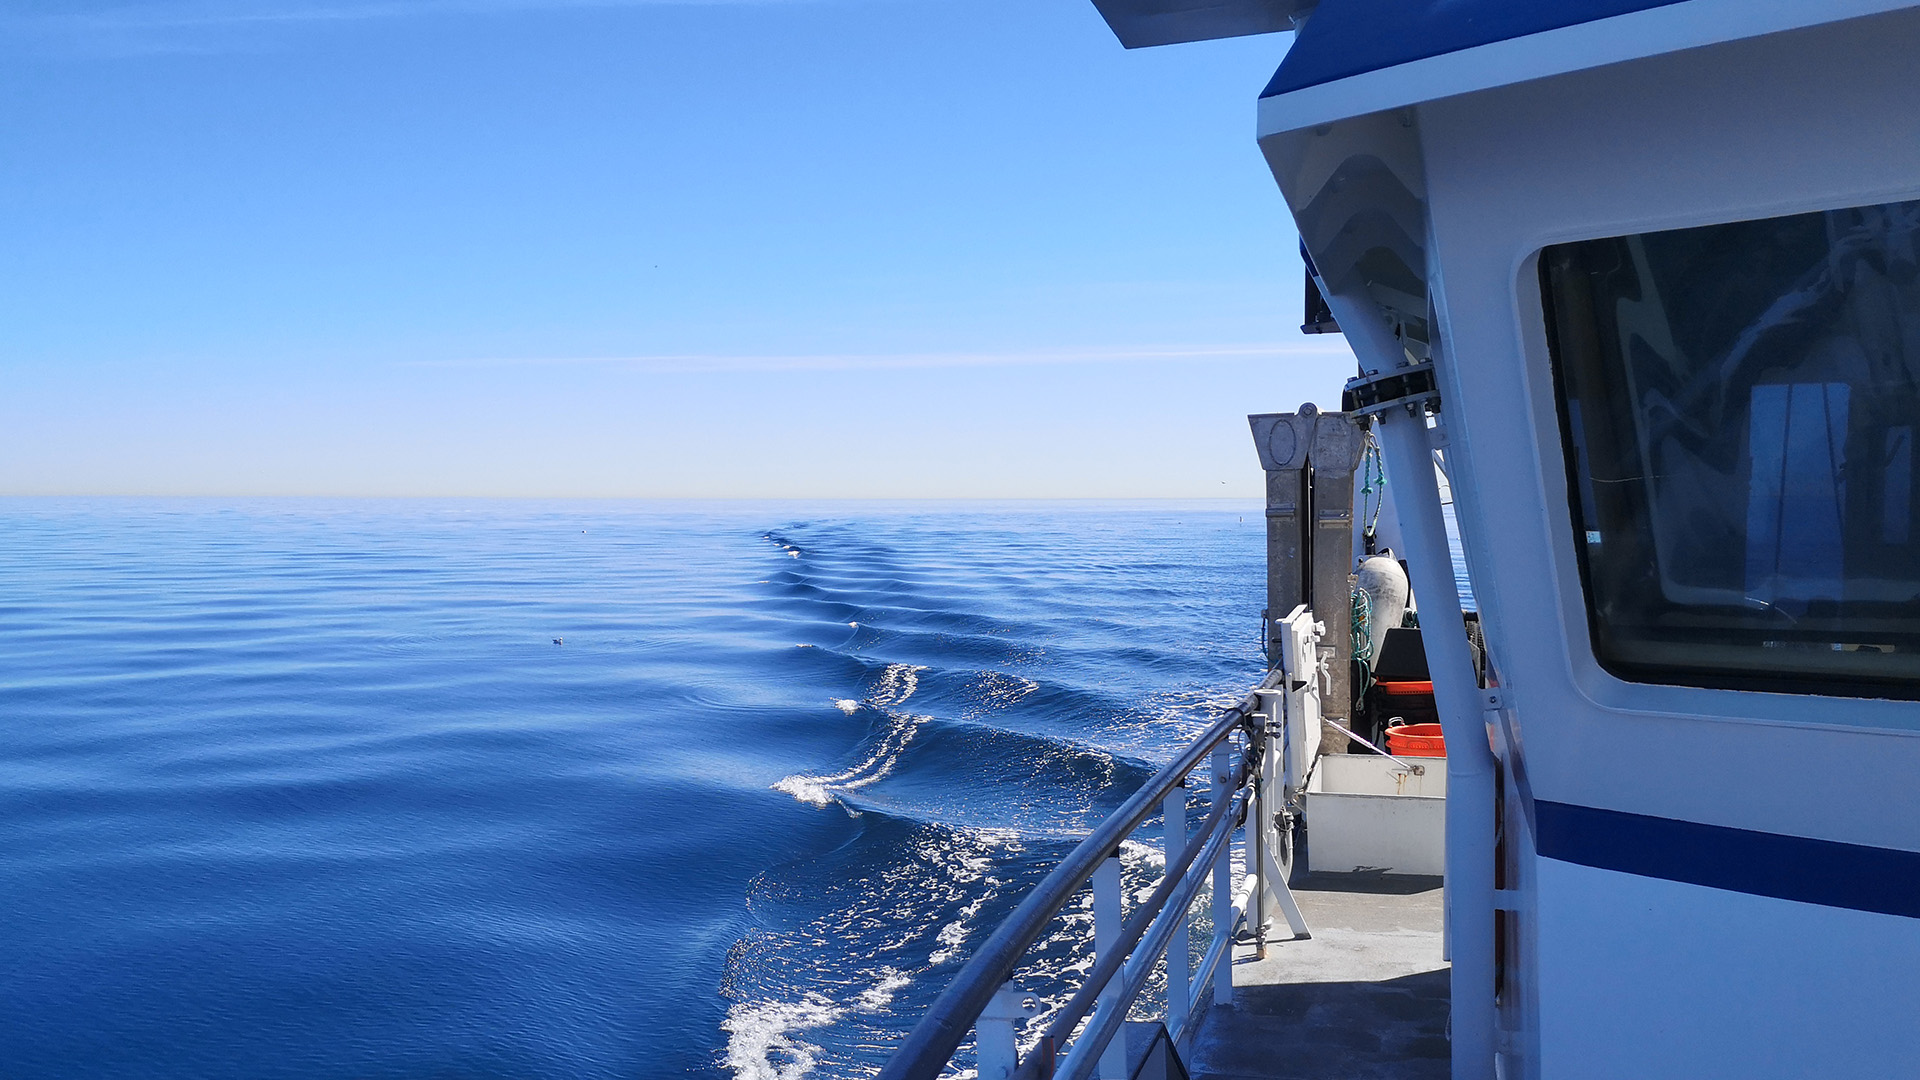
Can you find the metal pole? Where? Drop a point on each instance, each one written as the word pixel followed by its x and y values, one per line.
pixel 1405 445
pixel 1223 885
pixel 1106 935
pixel 1253 845
pixel 1179 964
pixel 994 1045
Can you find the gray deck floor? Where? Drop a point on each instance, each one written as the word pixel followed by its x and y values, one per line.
pixel 1364 999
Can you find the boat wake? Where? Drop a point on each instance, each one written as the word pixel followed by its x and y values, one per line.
pixel 991 743
pixel 765 1039
pixel 894 686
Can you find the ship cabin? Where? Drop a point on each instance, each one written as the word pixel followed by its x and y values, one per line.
pixel 1645 277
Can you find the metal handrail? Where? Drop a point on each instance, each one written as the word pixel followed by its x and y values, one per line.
pixel 1106 1022
pixel 1105 967
pixel 926 1050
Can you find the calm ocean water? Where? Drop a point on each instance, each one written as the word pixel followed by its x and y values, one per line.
pixel 310 789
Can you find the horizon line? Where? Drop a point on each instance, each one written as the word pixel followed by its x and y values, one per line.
pixel 699 363
pixel 645 498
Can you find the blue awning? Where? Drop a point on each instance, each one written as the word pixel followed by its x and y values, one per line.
pixel 1343 38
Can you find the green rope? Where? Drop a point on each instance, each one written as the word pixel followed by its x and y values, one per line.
pixel 1373 483
pixel 1362 631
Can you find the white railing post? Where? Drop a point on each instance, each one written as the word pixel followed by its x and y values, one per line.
pixel 1253 844
pixel 1179 964
pixel 1223 882
pixel 996 1052
pixel 1107 912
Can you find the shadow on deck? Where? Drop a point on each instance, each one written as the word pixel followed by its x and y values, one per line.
pixel 1365 998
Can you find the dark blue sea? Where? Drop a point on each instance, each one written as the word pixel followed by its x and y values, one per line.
pixel 564 789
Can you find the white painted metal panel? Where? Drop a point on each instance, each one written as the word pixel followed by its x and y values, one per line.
pixel 1637 975
pixel 1659 980
pixel 1397 834
pixel 1512 170
pixel 1370 774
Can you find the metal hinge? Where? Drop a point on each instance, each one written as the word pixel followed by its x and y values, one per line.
pixel 1369 394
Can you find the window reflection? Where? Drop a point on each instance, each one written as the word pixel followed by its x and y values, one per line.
pixel 1738 403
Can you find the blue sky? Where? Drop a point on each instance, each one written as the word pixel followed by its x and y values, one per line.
pixel 799 248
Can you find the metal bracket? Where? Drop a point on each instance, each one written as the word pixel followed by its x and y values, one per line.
pixel 997 1049
pixel 1273 700
pixel 1369 394
pixel 1010 1002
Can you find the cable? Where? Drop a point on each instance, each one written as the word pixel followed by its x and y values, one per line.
pixel 1361 628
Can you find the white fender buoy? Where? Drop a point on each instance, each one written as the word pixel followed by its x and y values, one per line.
pixel 1385 583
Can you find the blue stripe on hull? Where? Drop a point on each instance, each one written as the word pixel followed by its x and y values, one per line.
pixel 1884 880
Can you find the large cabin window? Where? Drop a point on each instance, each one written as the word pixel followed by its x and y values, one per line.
pixel 1739 405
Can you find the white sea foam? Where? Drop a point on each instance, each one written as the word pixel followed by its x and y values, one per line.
pixel 782 544
pixel 805 788
pixel 762 1042
pixel 950 937
pixel 999 689
pixel 895 685
pixel 1142 853
pixel 954 934
pixel 880 994
pixel 846 705
pixel 967 869
pixel 820 790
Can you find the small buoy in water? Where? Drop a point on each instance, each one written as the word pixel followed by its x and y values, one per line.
pixel 557 641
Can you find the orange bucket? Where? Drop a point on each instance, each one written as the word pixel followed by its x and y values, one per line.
pixel 1416 740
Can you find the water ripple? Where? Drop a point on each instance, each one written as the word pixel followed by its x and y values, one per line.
pixel 465 788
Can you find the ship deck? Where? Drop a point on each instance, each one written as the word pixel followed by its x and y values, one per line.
pixel 1365 998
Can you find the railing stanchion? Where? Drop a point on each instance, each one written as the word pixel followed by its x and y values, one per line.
pixel 1223 883
pixel 1179 964
pixel 1126 951
pixel 1107 914
pixel 1254 844
pixel 996 1051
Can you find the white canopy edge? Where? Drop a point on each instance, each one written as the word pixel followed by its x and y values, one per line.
pixel 1144 23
